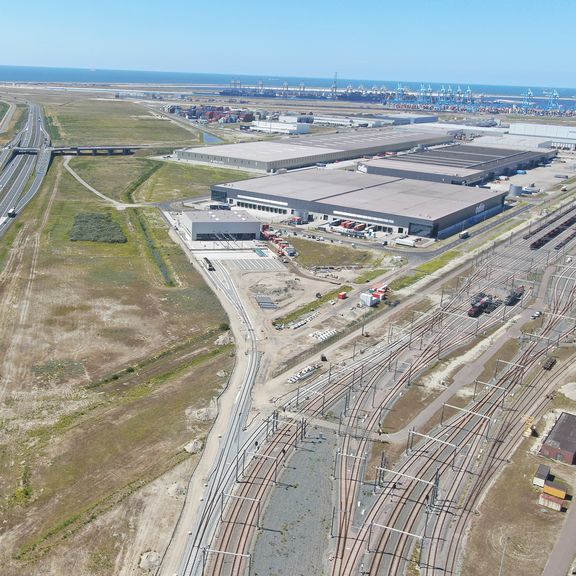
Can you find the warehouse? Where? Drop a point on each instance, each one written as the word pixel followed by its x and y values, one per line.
pixel 279 127
pixel 462 164
pixel 220 225
pixel 561 442
pixel 299 152
pixel 385 203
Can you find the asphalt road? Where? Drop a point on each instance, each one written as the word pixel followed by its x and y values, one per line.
pixel 17 169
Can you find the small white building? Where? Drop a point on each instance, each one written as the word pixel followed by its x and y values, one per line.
pixel 279 127
pixel 541 475
pixel 348 121
pixel 220 225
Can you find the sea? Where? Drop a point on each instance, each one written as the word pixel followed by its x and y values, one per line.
pixel 35 74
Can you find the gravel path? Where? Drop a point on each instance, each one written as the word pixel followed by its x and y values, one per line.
pixel 296 524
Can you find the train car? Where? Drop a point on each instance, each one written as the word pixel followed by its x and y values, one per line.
pixel 209 265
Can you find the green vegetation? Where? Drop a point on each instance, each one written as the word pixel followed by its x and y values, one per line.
pixel 439 262
pixel 153 249
pixel 96 227
pixel 369 275
pixel 311 306
pixel 16 123
pixel 312 254
pixel 82 121
pixel 135 179
pixel 52 129
pixel 117 177
pixel 176 181
pixel 424 270
pixel 23 494
pixel 405 281
pixel 145 361
pixel 3 109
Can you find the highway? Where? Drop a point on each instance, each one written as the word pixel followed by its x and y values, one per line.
pixel 16 169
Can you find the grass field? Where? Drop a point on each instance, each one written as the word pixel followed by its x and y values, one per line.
pixel 369 275
pixel 135 179
pixel 3 109
pixel 85 121
pixel 103 365
pixel 17 121
pixel 177 181
pixel 424 270
pixel 312 254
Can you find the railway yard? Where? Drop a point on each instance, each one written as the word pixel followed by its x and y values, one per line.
pixel 239 411
pixel 318 462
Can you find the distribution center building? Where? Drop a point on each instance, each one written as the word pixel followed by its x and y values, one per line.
pixel 396 205
pixel 220 225
pixel 298 152
pixel 462 164
pixel 561 442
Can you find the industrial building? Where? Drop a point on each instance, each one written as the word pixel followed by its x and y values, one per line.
pixel 461 164
pixel 402 118
pixel 279 127
pixel 299 152
pixel 560 444
pixel 220 225
pixel 384 203
pixel 557 136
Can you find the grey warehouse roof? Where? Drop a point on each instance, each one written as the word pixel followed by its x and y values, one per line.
pixel 478 158
pixel 219 216
pixel 296 147
pixel 563 434
pixel 354 190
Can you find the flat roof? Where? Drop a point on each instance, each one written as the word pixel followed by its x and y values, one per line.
pixel 460 159
pixel 563 434
pixel 543 471
pixel 358 191
pixel 314 145
pixel 423 167
pixel 220 216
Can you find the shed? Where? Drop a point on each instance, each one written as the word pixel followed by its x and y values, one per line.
pixel 555 489
pixel 561 442
pixel 551 502
pixel 541 475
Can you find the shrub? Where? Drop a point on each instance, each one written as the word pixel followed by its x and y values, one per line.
pixel 96 227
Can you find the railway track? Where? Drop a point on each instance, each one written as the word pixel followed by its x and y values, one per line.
pixel 239 524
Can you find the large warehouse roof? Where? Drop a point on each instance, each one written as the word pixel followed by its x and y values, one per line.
pixel 457 164
pixel 468 156
pixel 563 434
pixel 423 167
pixel 353 190
pixel 296 147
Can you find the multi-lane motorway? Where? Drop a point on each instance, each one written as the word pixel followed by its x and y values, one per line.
pixel 21 174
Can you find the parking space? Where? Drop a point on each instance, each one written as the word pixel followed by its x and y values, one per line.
pixel 257 265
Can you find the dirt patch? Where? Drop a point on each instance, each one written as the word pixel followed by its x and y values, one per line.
pixel 511 510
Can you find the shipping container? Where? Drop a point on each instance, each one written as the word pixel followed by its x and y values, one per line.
pixel 551 502
pixel 555 489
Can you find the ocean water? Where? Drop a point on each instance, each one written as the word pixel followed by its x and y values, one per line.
pixel 87 76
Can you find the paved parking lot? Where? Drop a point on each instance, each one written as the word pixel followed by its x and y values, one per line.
pixel 257 265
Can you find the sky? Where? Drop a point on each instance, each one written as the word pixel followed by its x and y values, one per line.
pixel 510 42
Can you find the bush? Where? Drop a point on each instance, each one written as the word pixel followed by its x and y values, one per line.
pixel 95 227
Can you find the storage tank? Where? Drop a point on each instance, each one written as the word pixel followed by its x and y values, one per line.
pixel 515 190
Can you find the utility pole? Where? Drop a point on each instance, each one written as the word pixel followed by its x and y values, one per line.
pixel 500 571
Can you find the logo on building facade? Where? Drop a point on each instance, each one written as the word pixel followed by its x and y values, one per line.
pixel 480 208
